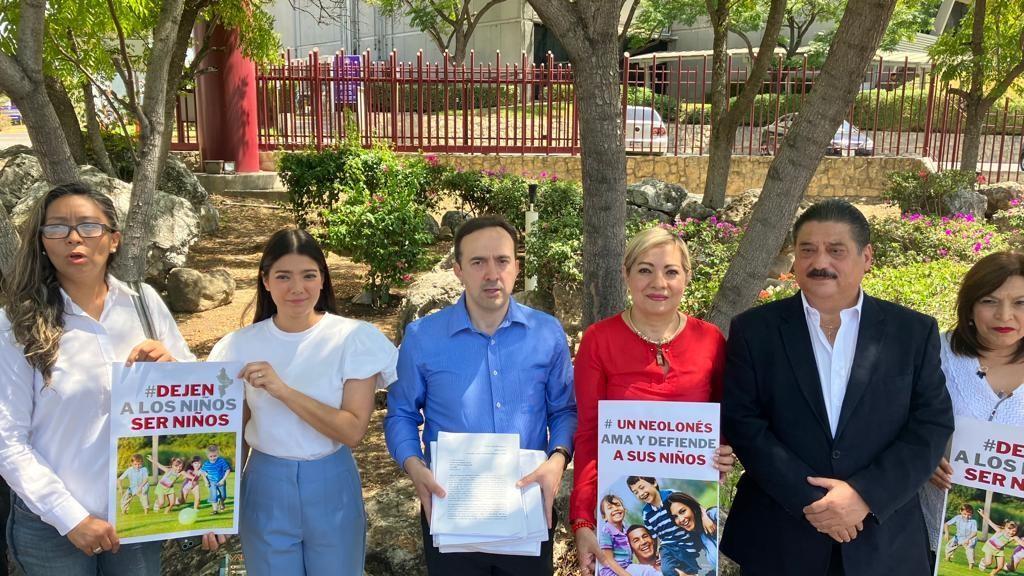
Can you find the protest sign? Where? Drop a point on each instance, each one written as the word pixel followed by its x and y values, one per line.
pixel 983 524
pixel 175 438
pixel 657 490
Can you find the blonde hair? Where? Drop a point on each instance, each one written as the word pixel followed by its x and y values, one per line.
pixel 652 238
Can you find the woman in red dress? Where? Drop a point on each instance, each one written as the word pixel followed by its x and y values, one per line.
pixel 651 351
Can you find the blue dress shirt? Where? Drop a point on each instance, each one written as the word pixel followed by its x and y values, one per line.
pixel 458 379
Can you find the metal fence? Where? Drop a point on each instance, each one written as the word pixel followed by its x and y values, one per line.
pixel 524 108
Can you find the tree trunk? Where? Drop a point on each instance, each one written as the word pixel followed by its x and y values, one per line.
pixel 588 30
pixel 68 119
pixel 47 136
pixel 726 119
pixel 92 129
pixel 131 266
pixel 977 107
pixel 856 41
pixel 8 243
pixel 603 163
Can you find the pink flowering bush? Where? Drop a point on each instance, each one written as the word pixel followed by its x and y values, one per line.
pixel 917 238
pixel 923 191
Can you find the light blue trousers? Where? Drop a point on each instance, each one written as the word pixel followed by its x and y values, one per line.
pixel 39 550
pixel 302 517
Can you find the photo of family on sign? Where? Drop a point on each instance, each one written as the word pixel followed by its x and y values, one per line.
pixel 653 526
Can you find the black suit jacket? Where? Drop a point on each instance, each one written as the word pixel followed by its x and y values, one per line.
pixel 893 427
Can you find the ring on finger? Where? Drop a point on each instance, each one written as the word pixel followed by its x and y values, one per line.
pixel 257 375
pixel 98 550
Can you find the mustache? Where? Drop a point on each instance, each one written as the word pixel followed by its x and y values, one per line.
pixel 822 273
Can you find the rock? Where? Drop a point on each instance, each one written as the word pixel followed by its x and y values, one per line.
pixel 692 208
pixel 17 175
pixel 646 215
pixel 190 290
pixel 998 195
pixel 738 210
pixel 782 264
pixel 178 180
pixel 453 219
pixel 428 293
pixel 656 195
pixel 966 201
pixel 174 228
pixel 446 263
pixel 394 543
pixel 538 299
pixel 568 305
pixel 209 218
pixel 364 298
pixel 445 233
pixel 431 227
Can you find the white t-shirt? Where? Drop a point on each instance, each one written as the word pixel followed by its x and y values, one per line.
pixel 316 362
pixel 55 441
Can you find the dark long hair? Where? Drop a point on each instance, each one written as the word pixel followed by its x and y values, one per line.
pixel 691 503
pixel 35 307
pixel 984 278
pixel 282 243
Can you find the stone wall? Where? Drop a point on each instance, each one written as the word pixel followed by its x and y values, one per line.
pixel 847 176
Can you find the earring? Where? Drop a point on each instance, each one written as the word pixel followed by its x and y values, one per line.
pixel 113 250
pixel 970 322
pixel 44 252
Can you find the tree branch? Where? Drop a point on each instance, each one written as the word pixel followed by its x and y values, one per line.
pixel 629 21
pixel 443 16
pixel 476 19
pixel 30 40
pixel 746 40
pixel 13 80
pixel 124 67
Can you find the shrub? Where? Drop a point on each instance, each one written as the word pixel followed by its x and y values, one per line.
pixel 382 228
pixel 712 245
pixel 928 287
pixel 667 106
pixel 1011 222
pixel 554 247
pixel 436 97
pixel 119 149
pixel 491 193
pixel 316 180
pixel 428 175
pixel 915 238
pixel 924 191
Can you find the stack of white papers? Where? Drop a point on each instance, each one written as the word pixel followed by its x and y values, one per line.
pixel 483 510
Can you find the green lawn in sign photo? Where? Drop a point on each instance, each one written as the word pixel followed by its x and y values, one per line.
pixel 136 523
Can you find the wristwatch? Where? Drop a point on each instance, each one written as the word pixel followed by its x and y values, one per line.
pixel 564 452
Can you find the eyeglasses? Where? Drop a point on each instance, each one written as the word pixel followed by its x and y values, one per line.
pixel 84 229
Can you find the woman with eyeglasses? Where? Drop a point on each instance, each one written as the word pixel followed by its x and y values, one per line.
pixel 65 320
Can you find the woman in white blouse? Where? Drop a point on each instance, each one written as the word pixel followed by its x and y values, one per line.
pixel 310 381
pixel 66 320
pixel 983 360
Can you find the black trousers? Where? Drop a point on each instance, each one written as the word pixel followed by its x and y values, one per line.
pixel 480 564
pixel 835 565
pixel 5 511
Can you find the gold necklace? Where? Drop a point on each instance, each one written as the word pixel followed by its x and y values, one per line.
pixel 659 353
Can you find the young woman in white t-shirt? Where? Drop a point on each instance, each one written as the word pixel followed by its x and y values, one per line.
pixel 310 381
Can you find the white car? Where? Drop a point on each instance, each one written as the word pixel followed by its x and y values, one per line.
pixel 645 132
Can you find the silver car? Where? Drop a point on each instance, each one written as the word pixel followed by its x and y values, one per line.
pixel 645 132
pixel 848 140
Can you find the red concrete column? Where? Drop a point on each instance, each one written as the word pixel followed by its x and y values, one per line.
pixel 226 102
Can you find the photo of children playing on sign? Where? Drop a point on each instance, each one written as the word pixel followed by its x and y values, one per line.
pixel 979 536
pixel 175 483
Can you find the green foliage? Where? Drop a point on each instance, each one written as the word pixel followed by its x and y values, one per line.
pixel 925 191
pixel 928 287
pixel 316 180
pixel 491 193
pixel 439 97
pixel 712 245
pixel 1011 223
pixel 554 248
pixel 667 106
pixel 379 222
pixel 1002 50
pixel 915 238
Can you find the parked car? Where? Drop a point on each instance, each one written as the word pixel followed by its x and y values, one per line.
pixel 645 132
pixel 1021 160
pixel 848 139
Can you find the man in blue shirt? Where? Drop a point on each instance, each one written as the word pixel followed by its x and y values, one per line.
pixel 486 364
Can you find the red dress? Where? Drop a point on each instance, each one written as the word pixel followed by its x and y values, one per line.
pixel 613 363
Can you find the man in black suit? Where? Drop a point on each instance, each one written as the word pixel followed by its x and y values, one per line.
pixel 836 405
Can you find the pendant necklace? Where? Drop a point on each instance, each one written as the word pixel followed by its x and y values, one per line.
pixel 659 353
